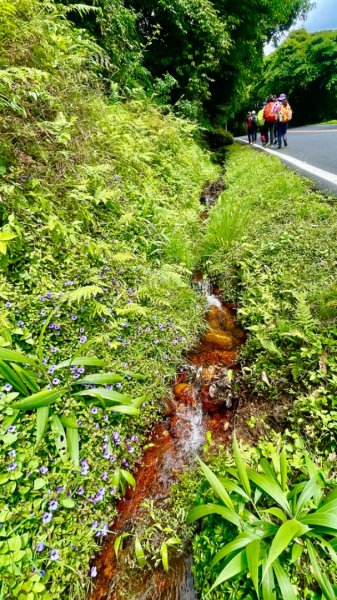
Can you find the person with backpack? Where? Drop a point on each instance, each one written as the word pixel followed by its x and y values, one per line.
pixel 284 115
pixel 250 127
pixel 270 117
pixel 262 125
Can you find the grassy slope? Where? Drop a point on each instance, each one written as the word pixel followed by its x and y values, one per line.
pixel 270 241
pixel 96 194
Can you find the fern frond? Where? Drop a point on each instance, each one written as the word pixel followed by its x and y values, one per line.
pixel 303 316
pixel 294 333
pixel 82 293
pixel 82 9
pixel 131 309
pixel 270 347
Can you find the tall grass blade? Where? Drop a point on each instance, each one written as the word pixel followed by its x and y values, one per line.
pixel 216 485
pixel 42 415
pixel 237 565
pixel 198 512
pixel 284 582
pixel 241 467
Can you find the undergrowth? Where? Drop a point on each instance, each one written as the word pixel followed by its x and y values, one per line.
pixel 99 217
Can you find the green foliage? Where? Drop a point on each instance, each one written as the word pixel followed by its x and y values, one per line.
pixel 303 66
pixel 277 527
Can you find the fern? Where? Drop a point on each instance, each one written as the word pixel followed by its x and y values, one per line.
pixel 82 9
pixel 82 293
pixel 270 346
pixel 303 316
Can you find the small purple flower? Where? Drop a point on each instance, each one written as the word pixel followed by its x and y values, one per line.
pixel 79 422
pixel 53 349
pixel 47 517
pixel 53 505
pixel 40 546
pixel 12 466
pixel 81 370
pixel 116 438
pixel 94 410
pixel 43 470
pixel 42 572
pixel 102 531
pixel 43 313
pixel 7 387
pixel 44 361
pixel 48 295
pixel 8 304
pixel 112 491
pixel 104 476
pixel 11 429
pixel 130 449
pixel 134 438
pixel 59 489
pixel 51 369
pixel 51 326
pixel 80 491
pixel 56 381
pixel 20 323
pixel 107 454
pixel 57 327
pixel 147 328
pixel 118 384
pixel 93 572
pixel 12 453
pixel 54 555
pixel 81 330
pixel 74 317
pixel 125 463
pixel 83 339
pixel 94 524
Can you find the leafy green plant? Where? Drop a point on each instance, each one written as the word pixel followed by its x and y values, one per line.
pixel 281 526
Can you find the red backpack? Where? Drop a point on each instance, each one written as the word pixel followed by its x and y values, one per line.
pixel 269 113
pixel 249 121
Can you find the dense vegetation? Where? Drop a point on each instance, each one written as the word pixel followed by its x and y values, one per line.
pixel 303 67
pixel 199 54
pixel 270 242
pixel 98 219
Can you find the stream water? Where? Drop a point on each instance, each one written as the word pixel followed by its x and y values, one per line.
pixel 204 399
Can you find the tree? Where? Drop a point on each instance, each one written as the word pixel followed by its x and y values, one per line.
pixel 305 68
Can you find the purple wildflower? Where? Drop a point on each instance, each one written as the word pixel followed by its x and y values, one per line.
pixel 20 323
pixel 11 429
pixel 8 304
pixel 48 295
pixel 53 349
pixel 74 317
pixel 51 369
pixel 47 517
pixel 93 572
pixel 7 387
pixel 43 470
pixel 12 466
pixel 104 476
pixel 40 546
pixel 56 381
pixel 83 339
pixel 12 453
pixel 80 491
pixel 53 505
pixel 94 410
pixel 54 555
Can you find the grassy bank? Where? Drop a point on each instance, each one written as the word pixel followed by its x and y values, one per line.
pixel 99 217
pixel 270 242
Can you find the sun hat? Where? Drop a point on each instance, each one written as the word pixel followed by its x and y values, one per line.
pixel 282 97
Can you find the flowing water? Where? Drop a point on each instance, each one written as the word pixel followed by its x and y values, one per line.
pixel 204 399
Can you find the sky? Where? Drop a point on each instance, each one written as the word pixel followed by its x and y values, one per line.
pixel 323 16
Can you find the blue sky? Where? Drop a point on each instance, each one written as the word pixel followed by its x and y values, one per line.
pixel 323 16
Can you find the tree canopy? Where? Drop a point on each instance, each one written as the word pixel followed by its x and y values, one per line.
pixel 305 68
pixel 198 54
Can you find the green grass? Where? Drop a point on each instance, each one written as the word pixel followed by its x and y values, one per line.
pixel 99 218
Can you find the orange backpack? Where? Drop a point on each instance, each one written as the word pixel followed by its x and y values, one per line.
pixel 285 114
pixel 269 113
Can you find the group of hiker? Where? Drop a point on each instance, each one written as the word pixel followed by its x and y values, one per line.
pixel 271 121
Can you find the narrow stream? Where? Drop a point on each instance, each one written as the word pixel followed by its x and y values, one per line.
pixel 204 399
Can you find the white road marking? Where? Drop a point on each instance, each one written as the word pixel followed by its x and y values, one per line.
pixel 304 166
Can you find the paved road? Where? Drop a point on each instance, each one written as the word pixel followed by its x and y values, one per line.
pixel 312 150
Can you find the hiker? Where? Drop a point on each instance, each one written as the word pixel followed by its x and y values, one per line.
pixel 262 125
pixel 270 117
pixel 284 115
pixel 250 127
pixel 254 125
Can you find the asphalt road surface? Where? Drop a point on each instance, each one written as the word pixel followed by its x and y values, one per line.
pixel 312 150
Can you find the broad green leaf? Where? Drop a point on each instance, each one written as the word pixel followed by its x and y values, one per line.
pixel 296 552
pixel 216 485
pixel 8 374
pixel 42 415
pixel 73 445
pixel 331 496
pixel 209 509
pixel 231 486
pixel 268 469
pixel 135 376
pixel 253 561
pixel 241 467
pixel 241 541
pixel 268 583
pixel 277 512
pixel 123 409
pixel 14 543
pixel 119 542
pixel 27 377
pixel 271 488
pixel 321 579
pixel 39 483
pixel 128 477
pixel 60 438
pixel 115 397
pixel 43 398
pixel 321 519
pixel 164 556
pixel 100 379
pixel 70 421
pixel 283 469
pixel 284 582
pixel 306 494
pixel 81 361
pixel 173 541
pixel 18 357
pixel 324 544
pixel 140 556
pixel 286 533
pixel 67 502
pixel 237 565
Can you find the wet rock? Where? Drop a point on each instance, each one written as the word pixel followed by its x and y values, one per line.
pixel 219 339
pixel 185 393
